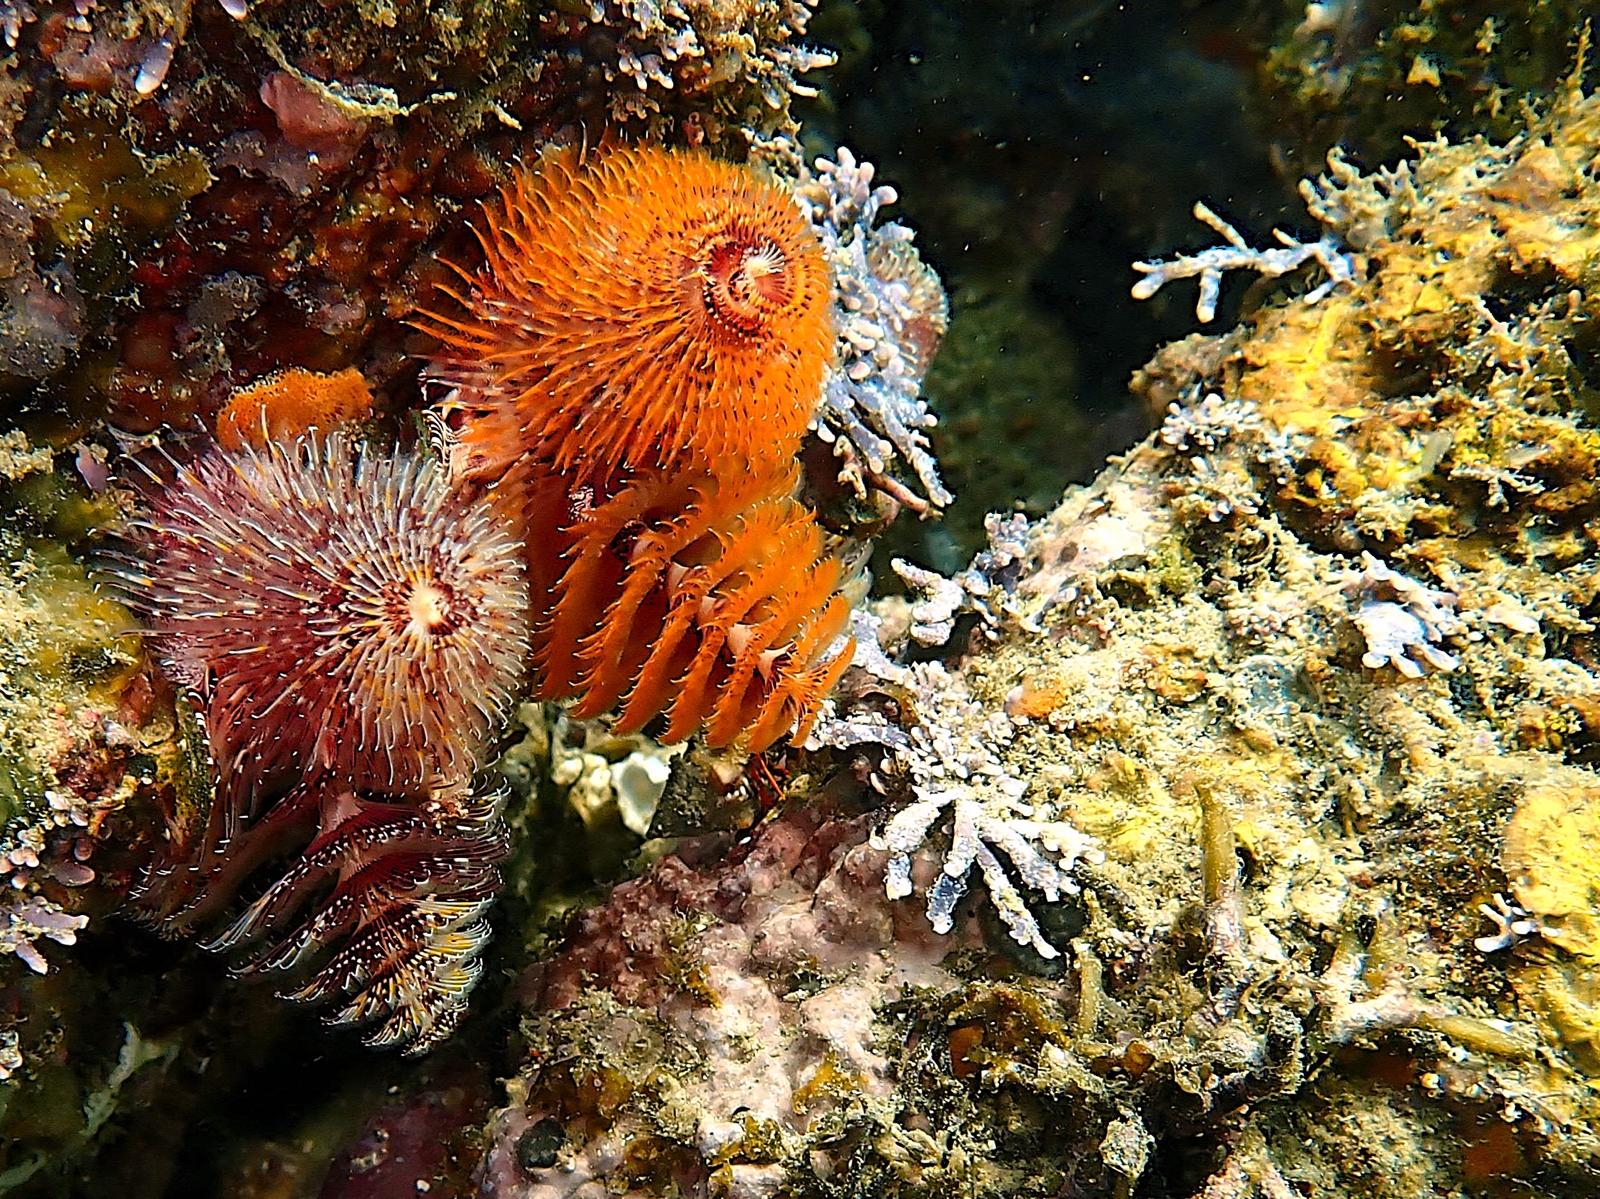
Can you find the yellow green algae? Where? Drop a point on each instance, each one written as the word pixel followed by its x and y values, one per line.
pixel 1369 76
pixel 87 760
pixel 67 654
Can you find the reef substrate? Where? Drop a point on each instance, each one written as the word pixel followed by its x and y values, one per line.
pixel 1313 666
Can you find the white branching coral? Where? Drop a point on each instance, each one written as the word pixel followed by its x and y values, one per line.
pixel 1513 924
pixel 1201 425
pixel 949 751
pixel 1209 423
pixel 663 46
pixel 47 848
pixel 954 769
pixel 891 314
pixel 1236 255
pixel 25 923
pixel 1363 207
pixel 983 588
pixel 1402 621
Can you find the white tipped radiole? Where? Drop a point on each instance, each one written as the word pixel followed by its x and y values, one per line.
pixel 352 628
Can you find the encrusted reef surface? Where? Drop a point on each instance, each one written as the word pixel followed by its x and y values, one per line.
pixel 1275 747
pixel 1370 75
pixel 193 194
pixel 1226 832
pixel 89 753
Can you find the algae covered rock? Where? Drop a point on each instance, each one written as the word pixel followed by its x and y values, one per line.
pixel 1224 832
pixel 1548 857
pixel 1295 695
pixel 89 757
pixel 1369 76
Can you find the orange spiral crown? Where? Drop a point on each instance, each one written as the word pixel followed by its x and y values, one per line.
pixel 633 369
pixel 637 308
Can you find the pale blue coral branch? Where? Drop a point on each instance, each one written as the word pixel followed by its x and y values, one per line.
pixel 1211 264
pixel 887 306
pixel 951 755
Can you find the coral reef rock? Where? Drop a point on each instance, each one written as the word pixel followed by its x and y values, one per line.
pixel 1314 669
pixel 193 195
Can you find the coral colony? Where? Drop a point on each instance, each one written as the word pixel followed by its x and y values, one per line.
pixel 1209 265
pixel 1248 797
pixel 949 760
pixel 891 313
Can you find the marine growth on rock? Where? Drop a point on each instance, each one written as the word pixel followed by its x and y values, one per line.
pixel 892 314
